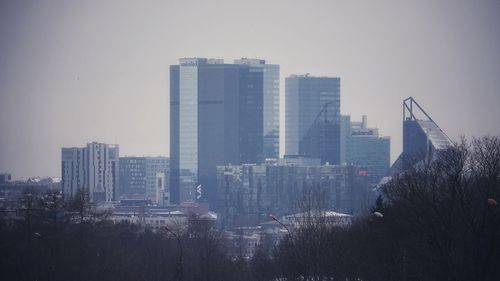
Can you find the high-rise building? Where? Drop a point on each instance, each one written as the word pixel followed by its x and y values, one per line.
pixel 216 118
pixel 312 117
pixel 365 148
pixel 422 138
pixel 93 168
pixel 271 100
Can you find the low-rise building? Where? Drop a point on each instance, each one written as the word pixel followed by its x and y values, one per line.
pixel 249 193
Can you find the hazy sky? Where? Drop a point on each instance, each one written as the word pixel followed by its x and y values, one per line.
pixel 76 71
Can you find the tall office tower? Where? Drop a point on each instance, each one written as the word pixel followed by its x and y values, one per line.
pixel 365 148
pixel 312 117
pixel 422 138
pixel 271 100
pixel 216 118
pixel 93 168
pixel 157 169
pixel 132 178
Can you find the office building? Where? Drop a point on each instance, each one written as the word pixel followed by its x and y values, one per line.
pixel 157 174
pixel 249 193
pixel 271 100
pixel 145 178
pixel 132 177
pixel 366 148
pixel 422 138
pixel 216 118
pixel 93 168
pixel 312 117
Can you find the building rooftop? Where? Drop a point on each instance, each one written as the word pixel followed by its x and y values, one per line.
pixel 435 135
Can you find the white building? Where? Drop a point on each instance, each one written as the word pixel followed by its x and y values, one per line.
pixel 93 168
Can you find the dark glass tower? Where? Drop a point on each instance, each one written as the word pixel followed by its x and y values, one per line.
pixel 312 117
pixel 423 140
pixel 215 119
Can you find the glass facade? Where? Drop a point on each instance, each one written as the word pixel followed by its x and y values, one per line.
pixel 414 143
pixel 270 103
pixel 188 118
pixel 174 180
pixel 312 116
pixel 271 100
pixel 218 129
pixel 251 114
pixel 249 193
pixel 216 114
pixel 370 152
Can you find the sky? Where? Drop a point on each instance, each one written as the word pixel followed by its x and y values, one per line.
pixel 73 72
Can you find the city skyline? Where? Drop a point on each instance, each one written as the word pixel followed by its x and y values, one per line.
pixel 76 73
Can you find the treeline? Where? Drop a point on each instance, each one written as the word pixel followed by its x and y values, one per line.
pixel 437 221
pixel 49 238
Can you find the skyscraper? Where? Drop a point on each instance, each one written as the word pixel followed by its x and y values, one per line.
pixel 422 138
pixel 312 117
pixel 93 168
pixel 216 118
pixel 365 148
pixel 271 99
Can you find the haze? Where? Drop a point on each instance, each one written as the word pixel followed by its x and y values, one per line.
pixel 71 73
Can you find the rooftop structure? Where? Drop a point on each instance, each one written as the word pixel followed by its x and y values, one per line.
pixel 422 138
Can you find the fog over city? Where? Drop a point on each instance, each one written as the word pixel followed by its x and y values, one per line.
pixel 73 72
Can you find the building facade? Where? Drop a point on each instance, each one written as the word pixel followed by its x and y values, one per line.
pixel 312 117
pixel 366 148
pixel 216 118
pixel 249 193
pixel 423 140
pixel 157 174
pixel 271 100
pixel 93 168
pixel 145 178
pixel 132 177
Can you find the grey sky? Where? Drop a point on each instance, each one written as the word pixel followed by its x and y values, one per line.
pixel 71 73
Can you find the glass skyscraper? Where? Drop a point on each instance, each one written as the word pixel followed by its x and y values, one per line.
pixel 216 118
pixel 271 110
pixel 312 117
